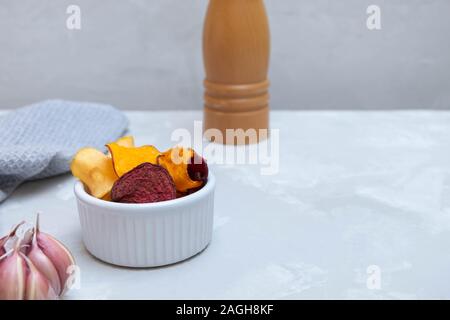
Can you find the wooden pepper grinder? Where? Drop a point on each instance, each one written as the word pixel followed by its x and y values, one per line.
pixel 236 49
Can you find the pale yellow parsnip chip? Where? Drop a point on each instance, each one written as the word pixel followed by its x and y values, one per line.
pixel 95 170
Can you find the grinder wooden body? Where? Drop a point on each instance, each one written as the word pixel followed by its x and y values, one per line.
pixel 236 49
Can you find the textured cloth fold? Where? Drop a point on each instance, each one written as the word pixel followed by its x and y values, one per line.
pixel 39 140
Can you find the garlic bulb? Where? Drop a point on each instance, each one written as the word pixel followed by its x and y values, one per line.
pixel 36 268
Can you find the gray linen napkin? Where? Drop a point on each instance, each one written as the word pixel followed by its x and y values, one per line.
pixel 39 140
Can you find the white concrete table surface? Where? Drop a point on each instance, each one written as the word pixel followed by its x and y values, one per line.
pixel 354 189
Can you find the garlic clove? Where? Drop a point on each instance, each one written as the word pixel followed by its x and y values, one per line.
pixel 44 265
pixel 12 275
pixel 58 254
pixel 25 242
pixel 37 285
pixel 12 233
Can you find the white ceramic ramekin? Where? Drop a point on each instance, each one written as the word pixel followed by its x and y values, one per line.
pixel 147 235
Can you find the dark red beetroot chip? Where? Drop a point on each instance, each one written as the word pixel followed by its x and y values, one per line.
pixel 198 168
pixel 144 184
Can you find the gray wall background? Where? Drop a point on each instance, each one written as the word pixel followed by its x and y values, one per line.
pixel 146 54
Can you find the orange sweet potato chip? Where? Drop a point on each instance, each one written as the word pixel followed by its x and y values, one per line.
pixel 176 161
pixel 95 170
pixel 107 197
pixel 126 159
pixel 127 141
